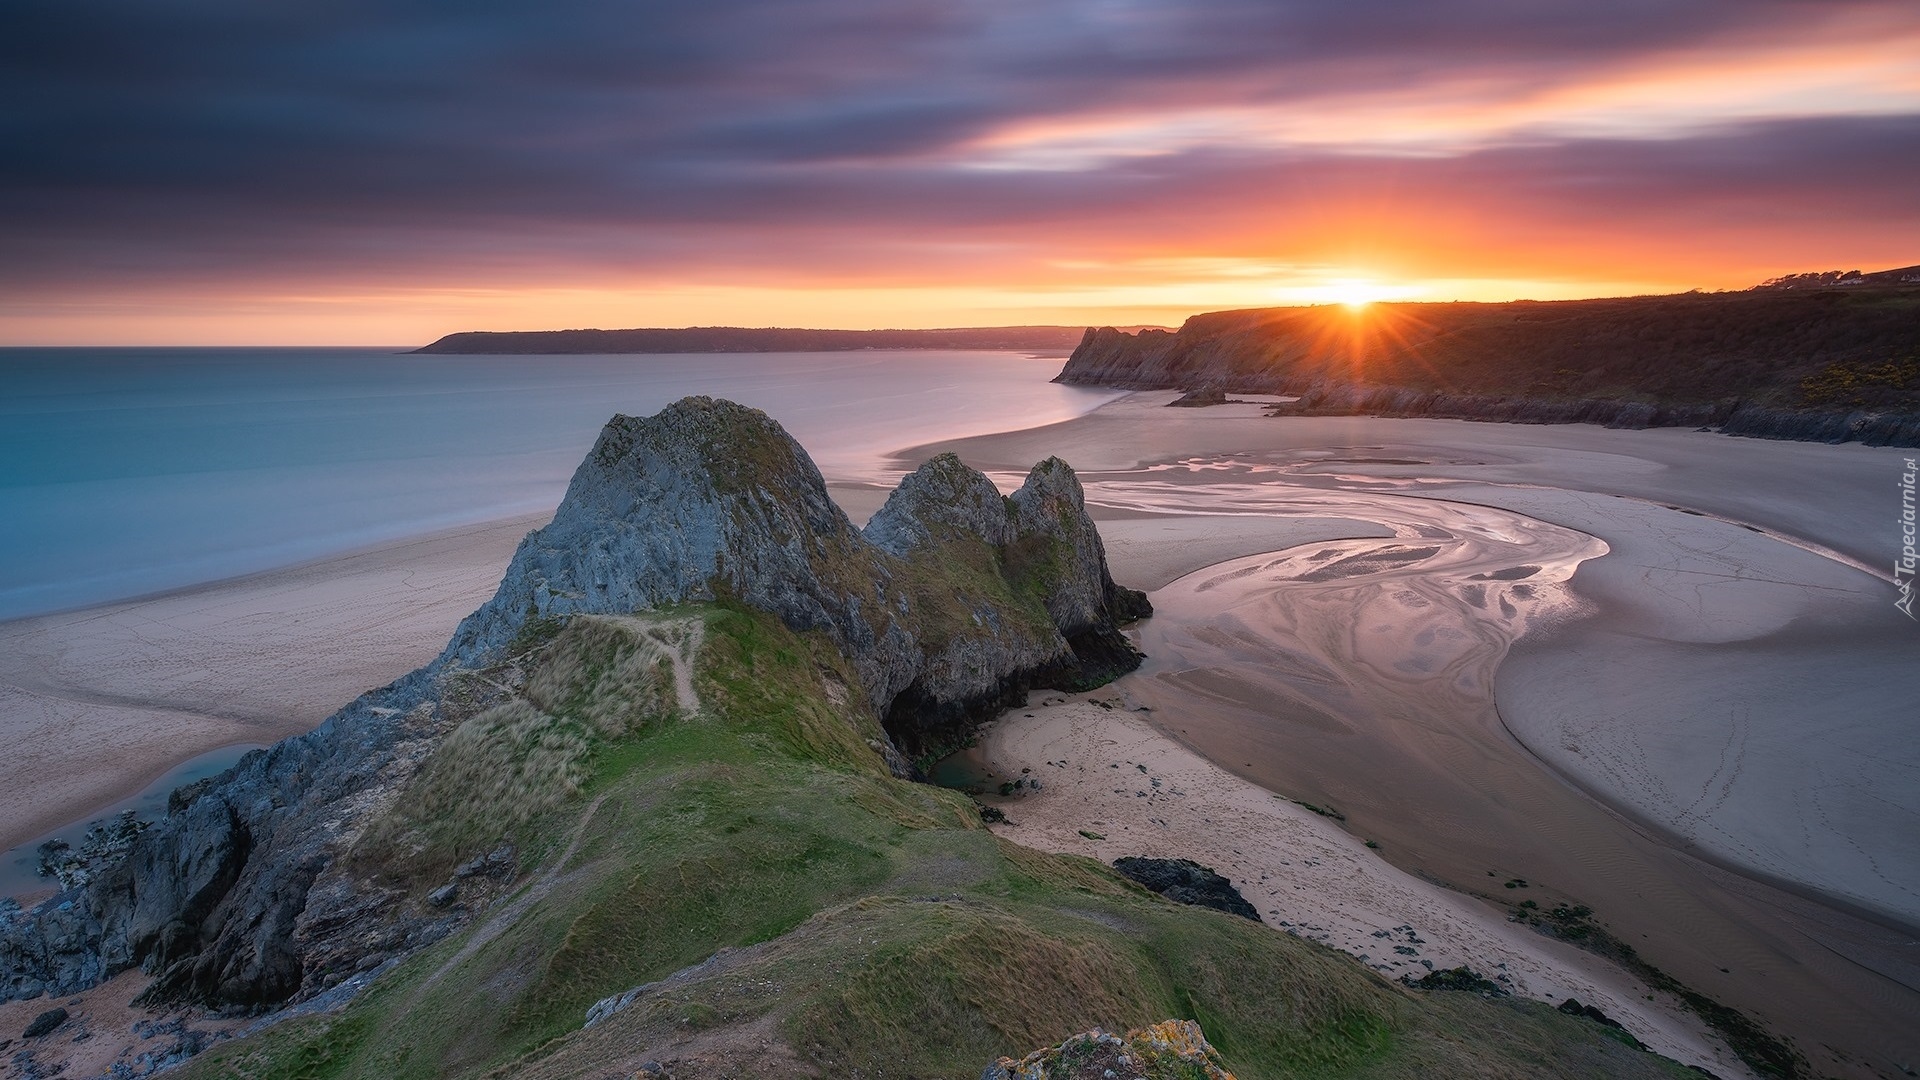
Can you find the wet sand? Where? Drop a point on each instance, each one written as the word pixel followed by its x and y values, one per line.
pixel 1365 675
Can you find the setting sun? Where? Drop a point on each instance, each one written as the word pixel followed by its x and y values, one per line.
pixel 1355 293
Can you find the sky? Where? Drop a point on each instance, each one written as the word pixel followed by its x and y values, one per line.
pixel 386 171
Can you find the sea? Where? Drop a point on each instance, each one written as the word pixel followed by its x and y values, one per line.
pixel 130 471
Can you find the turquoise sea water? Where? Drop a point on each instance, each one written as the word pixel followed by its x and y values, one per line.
pixel 130 471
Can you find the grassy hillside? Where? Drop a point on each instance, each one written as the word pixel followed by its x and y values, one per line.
pixel 732 840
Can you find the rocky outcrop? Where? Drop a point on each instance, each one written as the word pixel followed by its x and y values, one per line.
pixel 1728 417
pixel 1185 882
pixel 940 502
pixel 1829 426
pixel 1057 555
pixel 1011 592
pixel 956 601
pixel 1200 398
pixel 1384 401
pixel 704 500
pixel 1573 1007
pixel 1169 1050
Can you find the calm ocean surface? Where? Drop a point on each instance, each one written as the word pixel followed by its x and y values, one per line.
pixel 129 471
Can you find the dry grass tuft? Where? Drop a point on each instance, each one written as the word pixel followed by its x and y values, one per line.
pixel 494 776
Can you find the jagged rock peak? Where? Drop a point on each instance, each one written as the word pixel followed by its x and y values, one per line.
pixel 665 508
pixel 939 500
pixel 1055 539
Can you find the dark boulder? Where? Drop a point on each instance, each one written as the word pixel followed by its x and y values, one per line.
pixel 1460 978
pixel 45 1023
pixel 1186 882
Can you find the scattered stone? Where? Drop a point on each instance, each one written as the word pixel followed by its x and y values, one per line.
pixel 1323 811
pixel 1186 882
pixel 498 863
pixel 45 1023
pixel 181 1043
pixel 443 895
pixel 1170 1050
pixel 27 1066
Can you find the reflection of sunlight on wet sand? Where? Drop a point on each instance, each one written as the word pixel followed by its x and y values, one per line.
pixel 1360 673
pixel 1403 632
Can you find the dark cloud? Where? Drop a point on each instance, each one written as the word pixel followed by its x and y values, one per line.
pixel 209 136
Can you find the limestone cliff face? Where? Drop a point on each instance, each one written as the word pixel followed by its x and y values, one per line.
pixel 1061 556
pixel 955 601
pixel 1009 592
pixel 703 500
pixel 943 500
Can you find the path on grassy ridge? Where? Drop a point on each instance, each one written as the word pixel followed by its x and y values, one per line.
pixel 498 923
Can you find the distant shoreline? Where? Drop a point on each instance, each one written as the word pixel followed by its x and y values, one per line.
pixel 737 339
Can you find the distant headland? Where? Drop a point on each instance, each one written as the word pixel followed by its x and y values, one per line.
pixel 737 339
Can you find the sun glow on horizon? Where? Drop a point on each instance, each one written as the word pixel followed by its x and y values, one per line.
pixel 1355 294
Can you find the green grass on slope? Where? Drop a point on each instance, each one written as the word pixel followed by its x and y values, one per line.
pixel 848 924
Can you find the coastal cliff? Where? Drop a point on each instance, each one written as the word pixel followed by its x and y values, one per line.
pixel 241 898
pixel 649 814
pixel 1831 364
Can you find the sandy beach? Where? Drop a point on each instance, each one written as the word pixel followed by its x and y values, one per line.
pixel 98 703
pixel 1113 785
pixel 1772 869
pixel 1579 657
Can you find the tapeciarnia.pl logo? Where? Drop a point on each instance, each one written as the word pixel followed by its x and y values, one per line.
pixel 1903 567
